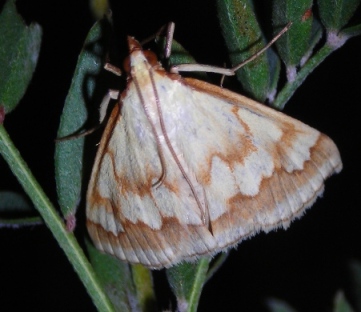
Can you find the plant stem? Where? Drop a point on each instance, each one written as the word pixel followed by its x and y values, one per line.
pixel 51 218
pixel 290 87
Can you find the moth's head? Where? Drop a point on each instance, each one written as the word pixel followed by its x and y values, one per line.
pixel 138 58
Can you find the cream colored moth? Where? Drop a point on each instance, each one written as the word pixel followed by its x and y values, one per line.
pixel 188 169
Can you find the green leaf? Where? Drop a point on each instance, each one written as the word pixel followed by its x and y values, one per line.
pixel 69 153
pixel 187 280
pixel 19 52
pixel 276 305
pixel 355 281
pixel 179 55
pixel 143 281
pixel 352 31
pixel 14 202
pixel 316 35
pixel 99 8
pixel 244 38
pixel 294 44
pixel 341 304
pixel 20 222
pixel 275 69
pixel 216 263
pixel 15 210
pixel 116 278
pixel 336 13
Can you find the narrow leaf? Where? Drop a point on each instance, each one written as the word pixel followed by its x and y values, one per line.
pixel 16 211
pixel 179 55
pixel 16 223
pixel 336 13
pixel 69 153
pixel 99 8
pixel 11 202
pixel 316 35
pixel 116 278
pixel 276 305
pixel 352 31
pixel 355 277
pixel 143 281
pixel 341 304
pixel 19 52
pixel 294 44
pixel 187 280
pixel 244 38
pixel 216 263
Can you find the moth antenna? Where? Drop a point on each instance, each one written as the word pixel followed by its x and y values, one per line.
pixel 169 40
pixel 169 144
pixel 206 216
pixel 257 54
pixel 159 147
pixel 226 71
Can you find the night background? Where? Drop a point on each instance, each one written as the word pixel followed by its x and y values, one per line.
pixel 305 265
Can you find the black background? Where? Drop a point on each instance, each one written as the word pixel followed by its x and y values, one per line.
pixel 304 265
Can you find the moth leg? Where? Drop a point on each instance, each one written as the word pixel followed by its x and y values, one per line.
pixel 111 95
pixel 226 71
pixel 113 69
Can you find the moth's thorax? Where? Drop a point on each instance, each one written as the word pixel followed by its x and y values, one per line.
pixel 140 94
pixel 139 67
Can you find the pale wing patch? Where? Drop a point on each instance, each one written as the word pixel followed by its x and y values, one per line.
pixel 106 220
pixel 249 176
pixel 218 195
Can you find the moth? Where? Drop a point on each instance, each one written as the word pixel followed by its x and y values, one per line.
pixel 187 169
